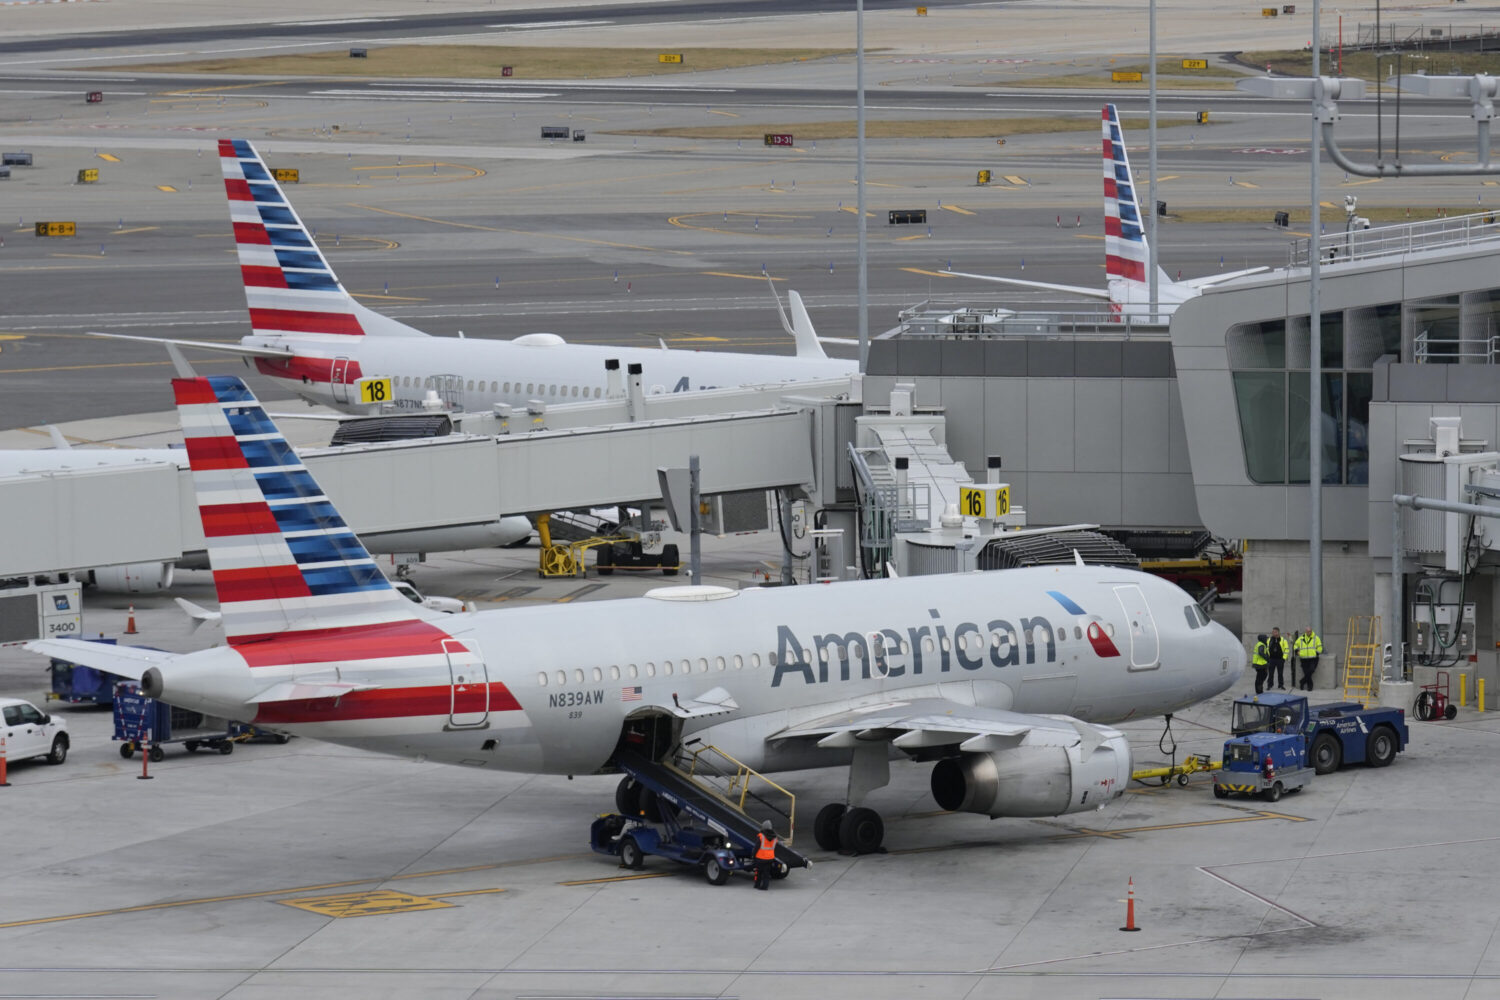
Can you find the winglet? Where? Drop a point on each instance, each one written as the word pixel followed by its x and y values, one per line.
pixel 58 441
pixel 800 326
pixel 1077 559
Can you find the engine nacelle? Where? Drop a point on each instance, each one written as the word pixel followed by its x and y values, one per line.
pixel 133 578
pixel 1034 780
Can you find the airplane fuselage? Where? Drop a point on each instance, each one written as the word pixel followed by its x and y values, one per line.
pixel 527 690
pixel 477 373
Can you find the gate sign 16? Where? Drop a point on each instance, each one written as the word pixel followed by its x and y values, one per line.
pixel 984 501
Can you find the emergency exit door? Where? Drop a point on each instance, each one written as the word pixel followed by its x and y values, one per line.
pixel 340 379
pixel 468 677
pixel 1145 643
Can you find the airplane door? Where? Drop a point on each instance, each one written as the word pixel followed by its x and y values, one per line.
pixel 1145 643
pixel 470 684
pixel 340 378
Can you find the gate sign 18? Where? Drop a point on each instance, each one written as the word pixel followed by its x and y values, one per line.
pixel 375 390
pixel 984 501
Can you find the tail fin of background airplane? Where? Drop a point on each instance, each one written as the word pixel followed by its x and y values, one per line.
pixel 283 559
pixel 1126 254
pixel 800 326
pixel 289 286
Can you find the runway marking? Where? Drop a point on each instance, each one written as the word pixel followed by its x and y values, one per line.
pixel 731 274
pixel 1244 184
pixel 1017 180
pixel 618 878
pixel 854 210
pixel 237 897
pixel 729 114
pixel 1369 180
pixel 1087 236
pixel 372 903
pixel 387 298
pixel 232 86
pixel 510 595
pixel 108 157
pixel 1169 177
pixel 955 208
pixel 169 189
pixel 137 229
pixel 520 232
pixel 878 184
pixel 930 274
pixel 915 236
pixel 78 256
pixel 691 339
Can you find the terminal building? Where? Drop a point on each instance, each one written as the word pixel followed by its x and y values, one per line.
pixel 1204 422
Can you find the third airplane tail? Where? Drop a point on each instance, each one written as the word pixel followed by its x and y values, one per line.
pixel 289 287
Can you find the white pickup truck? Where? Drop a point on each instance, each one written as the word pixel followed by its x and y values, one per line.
pixel 30 732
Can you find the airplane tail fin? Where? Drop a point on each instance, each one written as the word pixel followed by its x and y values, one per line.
pixel 283 559
pixel 1126 255
pixel 289 287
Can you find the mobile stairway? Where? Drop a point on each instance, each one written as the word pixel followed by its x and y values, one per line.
pixel 697 806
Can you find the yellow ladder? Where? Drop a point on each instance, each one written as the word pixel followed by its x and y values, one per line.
pixel 1360 652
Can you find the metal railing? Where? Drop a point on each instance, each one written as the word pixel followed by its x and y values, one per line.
pixel 730 781
pixel 974 317
pixel 1423 36
pixel 1430 350
pixel 885 507
pixel 1399 240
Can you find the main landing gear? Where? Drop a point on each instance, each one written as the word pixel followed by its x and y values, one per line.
pixel 854 829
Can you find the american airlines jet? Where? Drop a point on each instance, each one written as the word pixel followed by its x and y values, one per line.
pixel 1126 253
pixel 1005 683
pixel 309 332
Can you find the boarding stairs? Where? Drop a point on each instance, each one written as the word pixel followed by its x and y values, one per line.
pixel 717 791
pixel 1361 653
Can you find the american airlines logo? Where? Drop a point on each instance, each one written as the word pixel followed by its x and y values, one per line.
pixel 891 652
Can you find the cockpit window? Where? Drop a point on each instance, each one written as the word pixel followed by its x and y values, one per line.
pixel 1191 611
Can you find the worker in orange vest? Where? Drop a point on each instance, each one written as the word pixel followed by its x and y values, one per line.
pixel 765 855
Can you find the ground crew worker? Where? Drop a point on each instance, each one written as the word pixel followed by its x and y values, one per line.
pixel 1309 648
pixel 1276 660
pixel 1259 661
pixel 765 855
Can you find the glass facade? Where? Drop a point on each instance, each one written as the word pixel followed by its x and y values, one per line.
pixel 1269 363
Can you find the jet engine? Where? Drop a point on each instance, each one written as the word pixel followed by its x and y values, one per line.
pixel 1035 780
pixel 132 578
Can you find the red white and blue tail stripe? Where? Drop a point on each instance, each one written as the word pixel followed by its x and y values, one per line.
pixel 289 286
pixel 283 559
pixel 1125 254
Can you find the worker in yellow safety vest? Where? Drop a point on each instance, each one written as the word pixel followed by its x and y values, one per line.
pixel 765 855
pixel 1308 648
pixel 1259 662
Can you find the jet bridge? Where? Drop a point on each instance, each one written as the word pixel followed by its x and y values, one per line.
pixel 584 455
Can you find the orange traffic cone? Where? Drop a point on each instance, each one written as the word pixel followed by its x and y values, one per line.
pixel 130 622
pixel 1130 908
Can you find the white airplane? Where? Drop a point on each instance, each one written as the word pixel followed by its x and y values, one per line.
pixel 311 333
pixel 1005 681
pixel 1126 253
pixel 151 577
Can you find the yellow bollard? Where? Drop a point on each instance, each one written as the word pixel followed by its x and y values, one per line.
pixel 1479 694
pixel 1463 690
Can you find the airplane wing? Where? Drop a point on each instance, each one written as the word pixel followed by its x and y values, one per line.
pixel 934 722
pixel 252 352
pixel 1214 279
pixel 126 661
pixel 1093 293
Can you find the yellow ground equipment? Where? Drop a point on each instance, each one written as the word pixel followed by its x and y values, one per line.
pixel 1164 774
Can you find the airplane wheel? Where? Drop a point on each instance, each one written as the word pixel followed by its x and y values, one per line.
pixel 861 831
pixel 826 826
pixel 628 797
pixel 631 855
